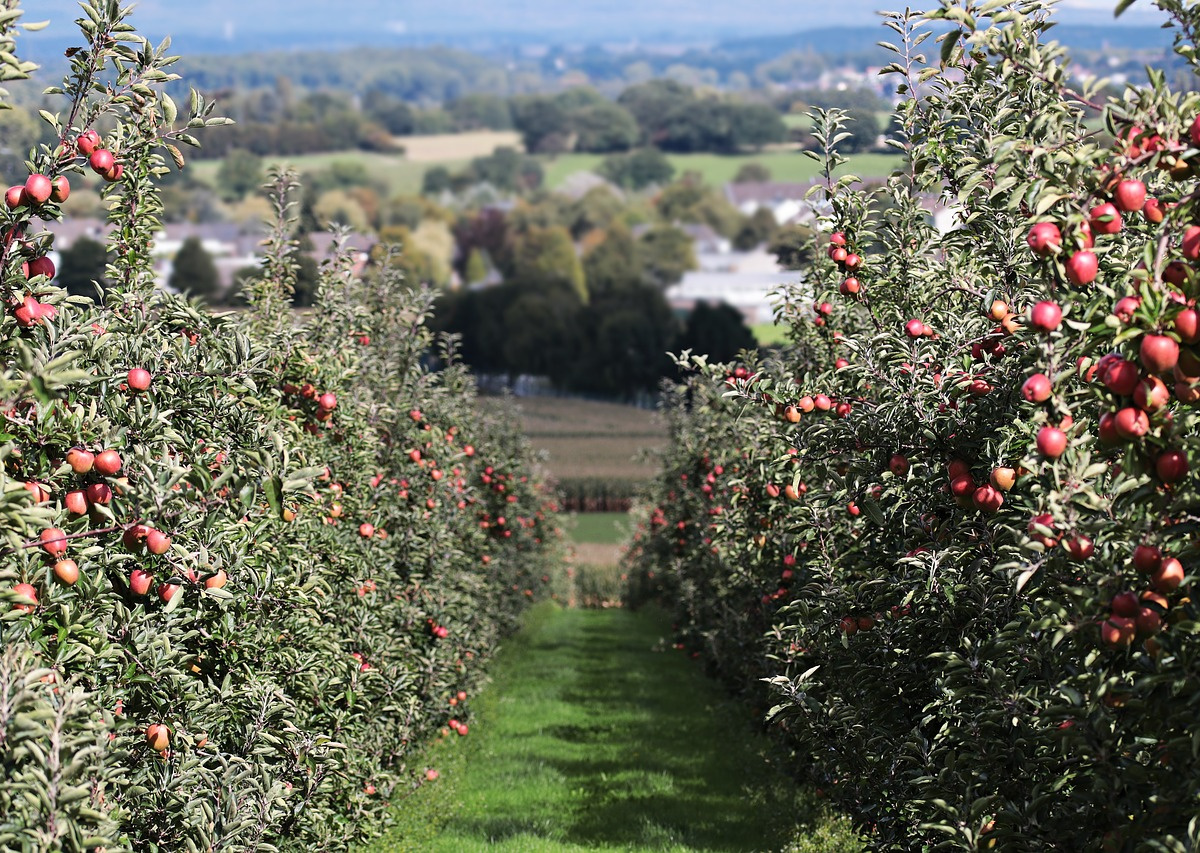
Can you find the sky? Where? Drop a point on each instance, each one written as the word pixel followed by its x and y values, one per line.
pixel 267 23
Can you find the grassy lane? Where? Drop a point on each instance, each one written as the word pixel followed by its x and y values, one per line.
pixel 596 737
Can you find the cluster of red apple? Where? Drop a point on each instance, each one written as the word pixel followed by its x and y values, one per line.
pixel 101 160
pixel 326 401
pixel 848 262
pixel 791 412
pixel 1141 616
pixel 441 632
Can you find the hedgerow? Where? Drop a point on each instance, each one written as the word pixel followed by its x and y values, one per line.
pixel 951 531
pixel 250 561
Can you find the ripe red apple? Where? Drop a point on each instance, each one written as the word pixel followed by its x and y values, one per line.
pixel 898 465
pixel 54 541
pixel 913 328
pixel 853 261
pixel 822 403
pixel 1171 466
pixel 1052 442
pixel 41 266
pixel 837 238
pixel 1125 308
pixel 366 530
pixel 139 581
pixel 14 197
pixel 76 502
pixel 60 189
pixel 108 462
pixel 101 161
pixel 1131 422
pixel 134 536
pixel 114 174
pixel 67 572
pixel 1037 388
pixel 217 580
pixel 1046 316
pixel 1045 520
pixel 987 499
pixel 1153 211
pixel 87 142
pixel 1082 267
pixel 1146 558
pixel 1105 219
pixel 1158 353
pixel 138 379
pixel 1003 478
pixel 1130 195
pixel 158 736
pixel 328 401
pixel 1168 576
pixel 1191 243
pixel 1126 604
pixel 431 774
pixel 1177 273
pixel 99 493
pixel 29 592
pixel 1148 622
pixel 157 542
pixel 962 486
pixel 1118 632
pixel 1044 238
pixel 1120 376
pixel 167 591
pixel 850 286
pixel 1151 394
pixel 38 188
pixel 1187 325
pixel 80 460
pixel 1079 547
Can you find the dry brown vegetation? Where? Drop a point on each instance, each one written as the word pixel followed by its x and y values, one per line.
pixel 440 147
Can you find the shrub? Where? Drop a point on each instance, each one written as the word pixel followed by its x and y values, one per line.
pixel 246 559
pixel 968 595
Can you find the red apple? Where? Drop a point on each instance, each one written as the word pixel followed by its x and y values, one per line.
pixel 101 161
pixel 1044 238
pixel 987 499
pixel 54 541
pixel 1191 243
pixel 60 189
pixel 1131 423
pixel 1187 325
pixel 38 188
pixel 1003 478
pixel 80 460
pixel 1079 547
pixel 1130 195
pixel 138 379
pixel 328 401
pixel 1168 576
pixel 1120 376
pixel 1036 388
pixel 139 581
pixel 108 462
pixel 167 591
pixel 14 197
pixel 898 465
pixel 157 542
pixel 76 502
pixel 963 486
pixel 41 266
pixel 1125 308
pixel 67 572
pixel 29 592
pixel 1118 632
pixel 1151 394
pixel 87 142
pixel 1153 211
pixel 1105 219
pixel 1171 466
pixel 913 328
pixel 158 736
pixel 366 530
pixel 1146 558
pixel 1126 604
pixel 1158 353
pixel 217 580
pixel 1082 267
pixel 1052 442
pixel 1046 316
pixel 99 493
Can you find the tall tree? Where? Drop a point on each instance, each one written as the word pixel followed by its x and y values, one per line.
pixel 81 268
pixel 194 273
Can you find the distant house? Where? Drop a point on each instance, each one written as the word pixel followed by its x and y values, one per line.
pixel 787 202
pixel 748 281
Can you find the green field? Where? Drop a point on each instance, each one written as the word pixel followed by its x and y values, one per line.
pixel 401 176
pixel 600 528
pixel 719 169
pixel 596 735
pixel 769 334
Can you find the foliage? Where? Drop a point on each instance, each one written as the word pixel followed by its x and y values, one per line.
pixel 638 169
pixel 719 331
pixel 920 527
pixel 193 272
pixel 81 268
pixel 296 542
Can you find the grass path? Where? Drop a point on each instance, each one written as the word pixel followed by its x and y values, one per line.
pixel 596 737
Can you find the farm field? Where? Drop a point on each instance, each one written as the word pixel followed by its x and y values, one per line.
pixel 718 169
pixel 586 439
pixel 401 176
pixel 600 528
pixel 586 740
pixel 768 334
pixel 452 147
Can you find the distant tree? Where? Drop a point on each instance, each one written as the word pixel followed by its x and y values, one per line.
pixel 752 173
pixel 543 333
pixel 194 273
pixel 478 111
pixel 665 253
pixel 863 127
pixel 307 274
pixel 755 230
pixel 393 114
pixel 756 125
pixel 545 258
pixel 507 169
pixel 637 169
pixel 81 268
pixel 490 232
pixel 793 246
pixel 543 122
pixel 689 199
pixel 603 127
pixel 718 331
pixel 651 102
pixel 612 266
pixel 595 209
pixel 626 344
pixel 436 181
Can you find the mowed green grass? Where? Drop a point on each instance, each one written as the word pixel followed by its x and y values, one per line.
pixel 600 528
pixel 719 169
pixel 768 334
pixel 399 175
pixel 597 736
